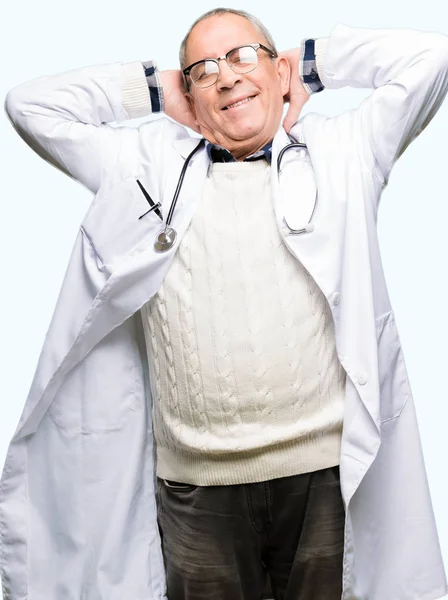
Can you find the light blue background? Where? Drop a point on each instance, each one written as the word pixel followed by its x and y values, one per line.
pixel 41 208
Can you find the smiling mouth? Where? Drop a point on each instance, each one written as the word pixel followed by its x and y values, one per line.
pixel 245 101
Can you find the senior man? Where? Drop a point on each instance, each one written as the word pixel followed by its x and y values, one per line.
pixel 225 298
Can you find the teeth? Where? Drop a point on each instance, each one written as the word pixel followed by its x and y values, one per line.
pixel 240 102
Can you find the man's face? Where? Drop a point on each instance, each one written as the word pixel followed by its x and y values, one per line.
pixel 245 128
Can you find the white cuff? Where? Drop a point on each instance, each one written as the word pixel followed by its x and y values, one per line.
pixel 135 94
pixel 320 47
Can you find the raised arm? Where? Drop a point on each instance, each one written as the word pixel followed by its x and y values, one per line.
pixel 65 118
pixel 407 68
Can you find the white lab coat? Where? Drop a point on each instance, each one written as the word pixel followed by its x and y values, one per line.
pixel 77 504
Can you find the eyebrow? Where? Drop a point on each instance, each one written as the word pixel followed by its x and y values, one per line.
pixel 232 48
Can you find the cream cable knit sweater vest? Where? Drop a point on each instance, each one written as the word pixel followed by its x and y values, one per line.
pixel 245 378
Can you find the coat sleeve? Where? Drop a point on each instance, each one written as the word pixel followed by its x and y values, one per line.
pixel 65 118
pixel 408 70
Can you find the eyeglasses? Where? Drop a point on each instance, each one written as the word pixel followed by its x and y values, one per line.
pixel 242 59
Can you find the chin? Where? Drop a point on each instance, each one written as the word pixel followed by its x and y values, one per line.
pixel 245 131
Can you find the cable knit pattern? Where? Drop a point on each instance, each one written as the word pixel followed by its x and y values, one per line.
pixel 189 346
pixel 224 362
pixel 246 381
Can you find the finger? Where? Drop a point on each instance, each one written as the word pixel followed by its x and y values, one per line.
pixel 292 115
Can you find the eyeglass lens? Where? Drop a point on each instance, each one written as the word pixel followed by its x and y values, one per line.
pixel 240 60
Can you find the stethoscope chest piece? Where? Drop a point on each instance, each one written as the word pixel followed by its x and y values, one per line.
pixel 165 239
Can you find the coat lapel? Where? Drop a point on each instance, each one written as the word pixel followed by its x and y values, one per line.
pixel 337 245
pixel 136 276
pixel 295 188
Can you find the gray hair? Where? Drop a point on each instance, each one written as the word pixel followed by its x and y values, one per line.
pixel 223 11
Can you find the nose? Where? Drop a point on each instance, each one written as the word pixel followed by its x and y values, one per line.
pixel 227 77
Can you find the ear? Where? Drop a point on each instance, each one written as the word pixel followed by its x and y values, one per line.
pixel 284 74
pixel 190 100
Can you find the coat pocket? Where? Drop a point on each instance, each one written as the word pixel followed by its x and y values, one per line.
pixel 393 378
pixel 177 486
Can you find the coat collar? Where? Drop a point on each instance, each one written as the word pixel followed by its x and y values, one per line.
pixel 186 144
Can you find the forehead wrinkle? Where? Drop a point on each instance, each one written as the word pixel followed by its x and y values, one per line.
pixel 219 27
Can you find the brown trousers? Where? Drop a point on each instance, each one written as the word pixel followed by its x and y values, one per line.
pixel 235 542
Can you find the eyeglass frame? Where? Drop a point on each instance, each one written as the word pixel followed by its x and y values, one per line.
pixel 216 60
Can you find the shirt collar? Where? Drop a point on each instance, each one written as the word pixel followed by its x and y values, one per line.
pixel 219 154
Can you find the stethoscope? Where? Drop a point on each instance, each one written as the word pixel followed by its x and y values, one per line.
pixel 166 237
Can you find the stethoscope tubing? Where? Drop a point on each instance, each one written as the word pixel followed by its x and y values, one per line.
pixel 180 181
pixel 167 236
pixel 283 150
pixel 308 227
